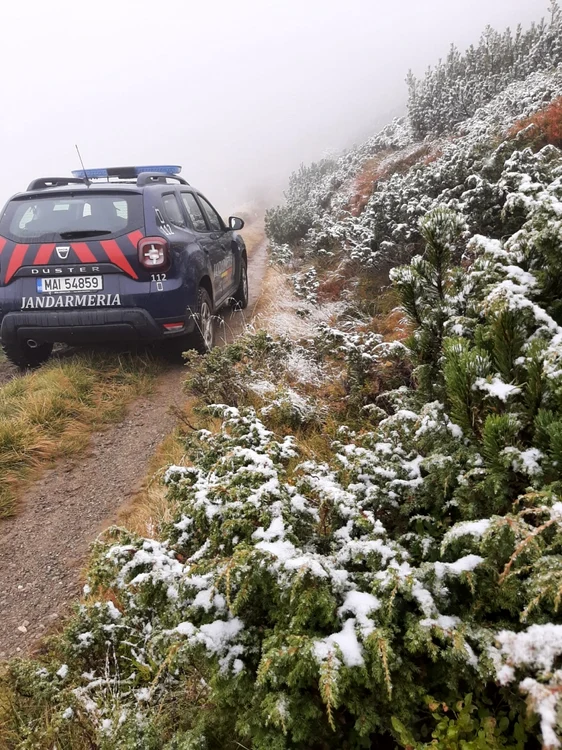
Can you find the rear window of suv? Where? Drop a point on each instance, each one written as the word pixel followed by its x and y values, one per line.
pixel 71 217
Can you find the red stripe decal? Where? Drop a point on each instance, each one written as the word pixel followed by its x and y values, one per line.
pixel 115 255
pixel 43 255
pixel 16 260
pixel 85 255
pixel 135 237
pixel 2 244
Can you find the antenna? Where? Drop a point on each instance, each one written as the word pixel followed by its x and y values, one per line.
pixel 86 180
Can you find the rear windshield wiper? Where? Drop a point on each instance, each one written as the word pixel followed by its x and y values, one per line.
pixel 78 233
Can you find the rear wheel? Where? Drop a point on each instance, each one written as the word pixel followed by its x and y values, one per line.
pixel 23 355
pixel 203 337
pixel 240 296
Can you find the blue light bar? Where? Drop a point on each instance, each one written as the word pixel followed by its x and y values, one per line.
pixel 91 174
pixel 124 172
pixel 165 168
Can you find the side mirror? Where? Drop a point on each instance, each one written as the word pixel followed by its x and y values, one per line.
pixel 235 223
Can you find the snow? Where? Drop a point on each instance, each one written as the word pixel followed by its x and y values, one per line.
pixel 496 388
pixel 539 646
pixel 307 562
pixel 143 695
pixel 86 639
pixel 556 512
pixel 185 628
pixel 207 600
pixel 261 387
pixel 527 461
pixel 347 643
pixel 275 530
pixel 424 599
pixel 175 472
pixel 282 550
pixel 475 529
pixel 464 565
pixel 361 604
pixel 112 610
pixel 217 635
pixel 63 671
pixel 545 702
pixel 445 622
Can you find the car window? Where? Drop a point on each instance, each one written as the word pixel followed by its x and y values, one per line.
pixel 173 211
pixel 48 218
pixel 212 215
pixel 195 213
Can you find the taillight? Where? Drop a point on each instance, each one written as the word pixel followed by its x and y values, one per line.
pixel 154 252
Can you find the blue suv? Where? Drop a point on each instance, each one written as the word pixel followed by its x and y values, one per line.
pixel 117 254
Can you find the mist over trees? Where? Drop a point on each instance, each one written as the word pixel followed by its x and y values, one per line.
pixel 457 87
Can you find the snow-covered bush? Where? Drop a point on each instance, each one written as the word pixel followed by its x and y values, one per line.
pixel 226 374
pixel 306 285
pixel 281 255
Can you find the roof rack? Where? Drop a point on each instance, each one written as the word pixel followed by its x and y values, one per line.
pixel 153 178
pixel 41 183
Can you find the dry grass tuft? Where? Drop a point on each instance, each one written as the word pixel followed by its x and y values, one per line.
pixel 53 411
pixel 151 508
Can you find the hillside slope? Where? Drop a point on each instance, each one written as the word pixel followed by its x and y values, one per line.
pixel 366 545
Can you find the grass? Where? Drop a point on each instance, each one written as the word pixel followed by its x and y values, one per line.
pixel 149 509
pixel 52 412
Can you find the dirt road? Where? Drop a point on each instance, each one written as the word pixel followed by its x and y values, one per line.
pixel 43 549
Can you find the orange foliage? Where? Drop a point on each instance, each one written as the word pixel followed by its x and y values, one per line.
pixel 393 327
pixel 544 127
pixel 331 289
pixel 363 186
pixel 383 166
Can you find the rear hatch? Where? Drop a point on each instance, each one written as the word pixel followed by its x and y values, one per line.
pixel 76 235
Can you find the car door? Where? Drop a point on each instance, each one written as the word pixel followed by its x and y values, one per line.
pixel 206 239
pixel 224 272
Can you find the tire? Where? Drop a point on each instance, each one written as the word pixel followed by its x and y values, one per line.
pixel 241 295
pixel 23 356
pixel 203 337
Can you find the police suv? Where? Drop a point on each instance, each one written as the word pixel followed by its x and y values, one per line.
pixel 117 254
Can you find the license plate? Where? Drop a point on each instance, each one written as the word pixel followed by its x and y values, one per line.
pixel 70 284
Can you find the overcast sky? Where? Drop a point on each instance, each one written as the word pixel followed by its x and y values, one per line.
pixel 239 92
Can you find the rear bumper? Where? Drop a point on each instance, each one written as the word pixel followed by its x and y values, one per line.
pixel 85 326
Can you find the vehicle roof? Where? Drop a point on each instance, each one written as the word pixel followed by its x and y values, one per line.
pixel 94 187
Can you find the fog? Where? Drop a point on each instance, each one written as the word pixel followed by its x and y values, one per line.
pixel 239 92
